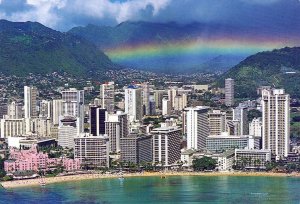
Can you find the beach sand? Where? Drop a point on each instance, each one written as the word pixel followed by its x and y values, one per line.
pixel 60 179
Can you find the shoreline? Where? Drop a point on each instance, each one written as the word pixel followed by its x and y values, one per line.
pixel 81 177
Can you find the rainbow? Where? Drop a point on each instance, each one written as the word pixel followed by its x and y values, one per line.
pixel 197 46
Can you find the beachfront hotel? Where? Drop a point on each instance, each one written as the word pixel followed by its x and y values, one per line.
pixel 32 160
pixel 92 151
pixel 220 143
pixel 276 122
pixel 136 148
pixel 166 145
pixel 252 158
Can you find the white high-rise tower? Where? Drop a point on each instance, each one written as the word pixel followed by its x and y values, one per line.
pixel 197 127
pixel 134 103
pixel 276 122
pixel 229 92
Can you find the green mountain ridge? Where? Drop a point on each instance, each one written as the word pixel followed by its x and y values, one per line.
pixel 279 68
pixel 30 47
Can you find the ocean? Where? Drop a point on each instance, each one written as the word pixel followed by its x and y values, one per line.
pixel 173 189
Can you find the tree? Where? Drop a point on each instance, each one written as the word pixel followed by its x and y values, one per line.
pixel 1 163
pixel 253 114
pixel 205 163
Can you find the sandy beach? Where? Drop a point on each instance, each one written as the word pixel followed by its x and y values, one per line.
pixel 59 179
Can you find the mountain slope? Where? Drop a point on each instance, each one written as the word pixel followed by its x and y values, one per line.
pixel 168 47
pixel 30 47
pixel 279 68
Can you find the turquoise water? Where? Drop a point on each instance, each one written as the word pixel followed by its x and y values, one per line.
pixel 179 189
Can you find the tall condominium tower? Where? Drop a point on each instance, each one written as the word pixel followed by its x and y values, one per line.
pixel 146 98
pixel 229 92
pixel 197 127
pixel 45 110
pixel 116 127
pixel 107 96
pixel 166 106
pixel 240 114
pixel 30 95
pixel 73 105
pixel 57 105
pixel 276 122
pixel 158 96
pixel 134 103
pixel 97 120
pixel 217 122
pixel 14 110
pixel 255 127
pixel 172 92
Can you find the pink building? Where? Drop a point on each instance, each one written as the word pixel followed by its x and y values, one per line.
pixel 31 160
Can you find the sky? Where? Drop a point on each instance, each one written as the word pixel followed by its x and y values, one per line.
pixel 270 16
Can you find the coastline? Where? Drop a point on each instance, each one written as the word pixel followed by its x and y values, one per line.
pixel 80 177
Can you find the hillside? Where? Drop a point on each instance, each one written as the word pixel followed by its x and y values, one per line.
pixel 167 47
pixel 30 47
pixel 279 68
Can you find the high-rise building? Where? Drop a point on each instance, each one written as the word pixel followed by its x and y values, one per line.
pixel 67 132
pixel 172 92
pixel 14 110
pixel 197 127
pixel 240 114
pixel 134 103
pixel 136 149
pixel 180 102
pixel 92 151
pixel 73 105
pixel 276 122
pixel 30 96
pixel 12 127
pixel 116 127
pixel 45 109
pixel 255 127
pixel 146 98
pixel 229 92
pixel 166 145
pixel 97 120
pixel 107 96
pixel 217 122
pixel 158 97
pixel 152 107
pixel 166 106
pixel 57 106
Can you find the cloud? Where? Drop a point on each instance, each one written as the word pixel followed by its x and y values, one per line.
pixel 64 14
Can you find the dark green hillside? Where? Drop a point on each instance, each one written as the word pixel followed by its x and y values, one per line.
pixel 33 48
pixel 279 68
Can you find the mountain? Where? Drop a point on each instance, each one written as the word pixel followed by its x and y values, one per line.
pixel 279 68
pixel 167 47
pixel 30 47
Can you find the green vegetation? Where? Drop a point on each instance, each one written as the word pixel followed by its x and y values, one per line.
pixel 2 172
pixel 33 48
pixel 295 125
pixel 205 163
pixel 279 68
pixel 253 114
